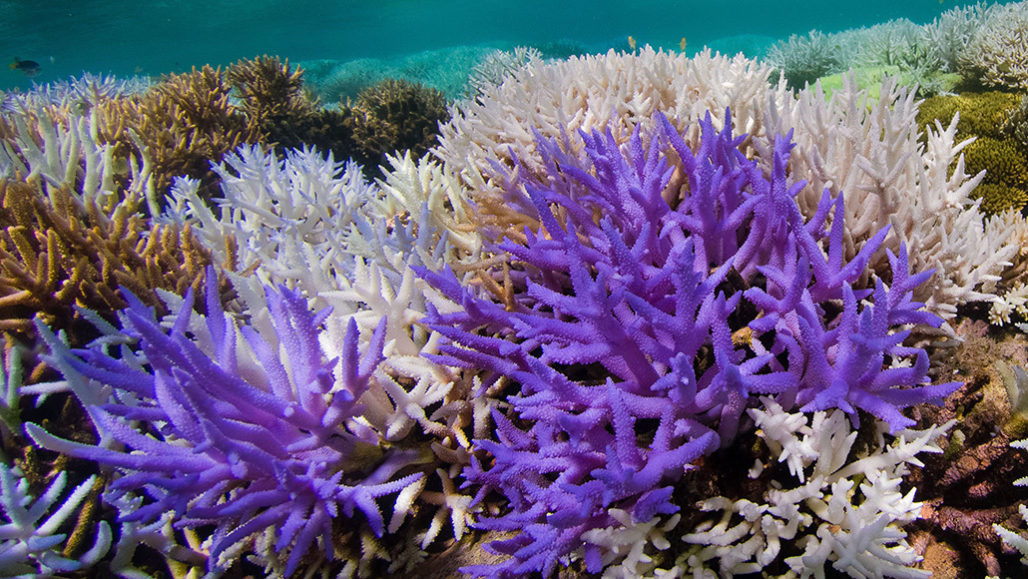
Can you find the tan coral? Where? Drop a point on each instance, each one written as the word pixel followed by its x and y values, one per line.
pixel 179 126
pixel 55 254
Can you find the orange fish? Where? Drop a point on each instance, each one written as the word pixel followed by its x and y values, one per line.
pixel 681 44
pixel 631 42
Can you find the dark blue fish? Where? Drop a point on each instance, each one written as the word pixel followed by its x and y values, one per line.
pixel 29 67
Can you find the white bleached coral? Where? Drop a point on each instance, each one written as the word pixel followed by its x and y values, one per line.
pixel 997 54
pixel 843 511
pixel 1012 304
pixel 29 539
pixel 616 90
pixel 627 548
pixel 869 150
pixel 318 226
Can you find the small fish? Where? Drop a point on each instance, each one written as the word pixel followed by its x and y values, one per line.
pixel 681 44
pixel 29 67
pixel 631 42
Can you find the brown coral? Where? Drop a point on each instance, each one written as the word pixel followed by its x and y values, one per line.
pixel 269 90
pixel 57 252
pixel 283 113
pixel 397 115
pixel 180 126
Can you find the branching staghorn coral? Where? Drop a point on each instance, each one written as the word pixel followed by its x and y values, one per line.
pixel 283 112
pixel 319 227
pixel 641 326
pixel 867 147
pixel 498 65
pixel 395 116
pixel 30 541
pixel 893 43
pixel 845 510
pixel 76 95
pixel 243 437
pixel 996 55
pixel 585 93
pixel 177 127
pixel 269 90
pixel 56 148
pixel 10 393
pixel 870 150
pixel 804 59
pixel 949 34
pixel 57 252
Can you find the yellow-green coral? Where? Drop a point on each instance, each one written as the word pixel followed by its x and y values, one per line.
pixel 1004 159
pixel 980 113
pixel 1006 173
pixel 928 82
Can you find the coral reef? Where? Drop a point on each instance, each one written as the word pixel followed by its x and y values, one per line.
pixel 556 336
pixel 996 55
pixel 638 339
pixel 804 59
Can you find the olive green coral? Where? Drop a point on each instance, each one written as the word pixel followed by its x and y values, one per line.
pixel 980 113
pixel 1006 173
pixel 1016 123
pixel 985 117
pixel 269 90
pixel 284 113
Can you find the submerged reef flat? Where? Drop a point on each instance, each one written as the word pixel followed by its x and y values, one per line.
pixel 631 314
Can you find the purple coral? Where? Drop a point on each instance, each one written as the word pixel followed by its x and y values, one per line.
pixel 642 329
pixel 237 442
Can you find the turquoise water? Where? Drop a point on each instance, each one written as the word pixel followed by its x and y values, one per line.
pixel 68 37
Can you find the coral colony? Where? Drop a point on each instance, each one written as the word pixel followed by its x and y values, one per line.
pixel 633 314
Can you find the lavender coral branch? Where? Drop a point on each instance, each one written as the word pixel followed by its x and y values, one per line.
pixel 242 436
pixel 667 288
